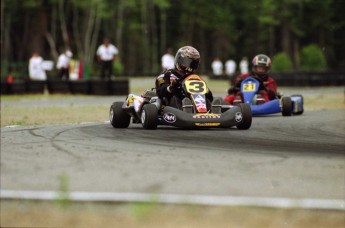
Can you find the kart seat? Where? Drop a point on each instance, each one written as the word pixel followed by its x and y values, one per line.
pixel 149 93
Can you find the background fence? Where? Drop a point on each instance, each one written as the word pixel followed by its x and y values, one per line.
pixel 121 86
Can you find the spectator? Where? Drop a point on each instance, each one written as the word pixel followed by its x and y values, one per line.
pixel 230 68
pixel 36 70
pixel 244 65
pixel 106 55
pixel 63 64
pixel 217 67
pixel 168 60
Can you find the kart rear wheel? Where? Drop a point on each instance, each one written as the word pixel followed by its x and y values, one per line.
pixel 118 118
pixel 217 105
pixel 286 106
pixel 149 116
pixel 246 116
pixel 225 106
pixel 302 104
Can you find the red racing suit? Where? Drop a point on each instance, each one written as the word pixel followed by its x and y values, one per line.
pixel 268 93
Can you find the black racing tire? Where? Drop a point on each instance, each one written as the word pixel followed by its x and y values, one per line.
pixel 118 118
pixel 149 116
pixel 224 102
pixel 302 101
pixel 246 116
pixel 286 106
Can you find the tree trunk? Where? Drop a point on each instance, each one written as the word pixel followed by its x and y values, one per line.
pixel 285 39
pixel 154 44
pixel 145 37
pixel 119 26
pixel 63 24
pixel 163 32
pixel 76 32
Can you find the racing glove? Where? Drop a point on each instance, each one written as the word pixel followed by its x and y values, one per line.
pixel 173 87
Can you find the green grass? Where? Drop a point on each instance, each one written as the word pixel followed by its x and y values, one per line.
pixel 319 98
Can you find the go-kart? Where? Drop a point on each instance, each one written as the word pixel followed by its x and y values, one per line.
pixel 150 111
pixel 287 105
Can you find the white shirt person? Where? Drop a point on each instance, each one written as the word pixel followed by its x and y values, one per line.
pixel 230 67
pixel 217 67
pixel 36 70
pixel 244 65
pixel 106 54
pixel 168 60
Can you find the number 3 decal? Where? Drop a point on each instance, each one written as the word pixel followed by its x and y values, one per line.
pixel 196 86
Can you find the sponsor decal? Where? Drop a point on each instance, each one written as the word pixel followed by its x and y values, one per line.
pixel 199 99
pixel 169 117
pixel 238 117
pixel 200 102
pixel 201 108
pixel 207 124
pixel 129 101
pixel 160 81
pixel 206 116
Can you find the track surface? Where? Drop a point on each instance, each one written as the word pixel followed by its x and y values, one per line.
pixel 297 157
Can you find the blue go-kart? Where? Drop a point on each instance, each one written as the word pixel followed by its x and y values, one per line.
pixel 287 105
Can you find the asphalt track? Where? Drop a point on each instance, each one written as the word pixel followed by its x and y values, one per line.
pixel 298 157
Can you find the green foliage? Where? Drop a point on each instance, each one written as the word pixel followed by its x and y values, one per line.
pixel 87 71
pixel 281 62
pixel 20 122
pixel 312 58
pixel 63 199
pixel 143 29
pixel 118 67
pixel 143 210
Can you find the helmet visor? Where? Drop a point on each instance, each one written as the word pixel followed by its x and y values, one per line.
pixel 190 63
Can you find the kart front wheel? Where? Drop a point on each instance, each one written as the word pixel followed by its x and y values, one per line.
pixel 149 116
pixel 246 116
pixel 118 118
pixel 286 106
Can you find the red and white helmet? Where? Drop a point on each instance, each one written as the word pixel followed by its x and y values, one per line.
pixel 264 61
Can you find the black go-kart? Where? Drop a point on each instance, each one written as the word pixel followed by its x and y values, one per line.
pixel 151 111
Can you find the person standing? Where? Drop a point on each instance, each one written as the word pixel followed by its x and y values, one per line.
pixel 36 71
pixel 168 60
pixel 244 65
pixel 217 67
pixel 63 64
pixel 106 55
pixel 230 68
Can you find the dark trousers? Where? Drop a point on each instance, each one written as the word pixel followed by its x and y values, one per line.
pixel 64 73
pixel 106 69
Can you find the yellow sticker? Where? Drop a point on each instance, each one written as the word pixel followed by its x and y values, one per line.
pixel 249 87
pixel 207 124
pixel 160 81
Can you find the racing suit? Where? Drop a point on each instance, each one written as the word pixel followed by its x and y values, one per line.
pixel 268 93
pixel 173 97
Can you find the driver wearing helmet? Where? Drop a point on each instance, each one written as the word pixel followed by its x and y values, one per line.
pixel 168 84
pixel 261 65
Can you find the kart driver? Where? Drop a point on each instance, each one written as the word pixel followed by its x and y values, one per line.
pixel 261 65
pixel 168 84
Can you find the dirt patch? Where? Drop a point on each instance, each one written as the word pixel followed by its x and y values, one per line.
pixel 48 214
